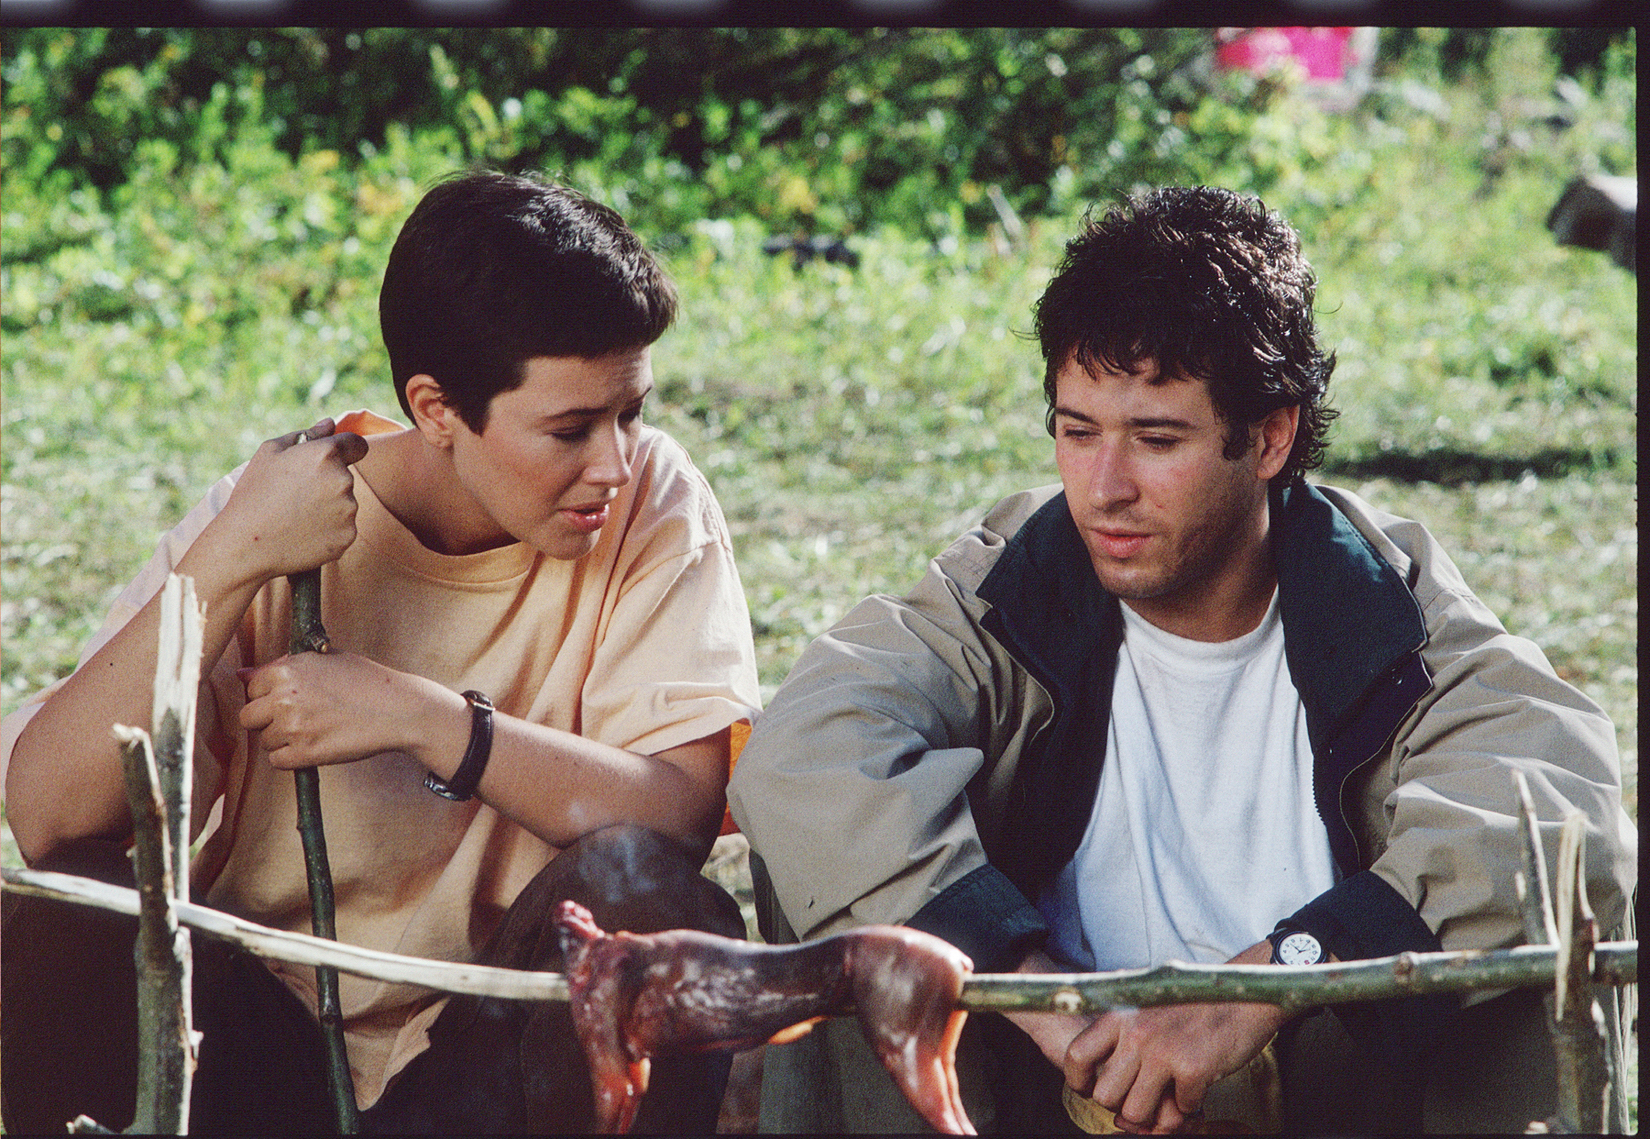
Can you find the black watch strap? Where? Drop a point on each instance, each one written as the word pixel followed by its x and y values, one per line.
pixel 463 783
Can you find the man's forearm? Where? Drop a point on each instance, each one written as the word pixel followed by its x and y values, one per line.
pixel 1052 1032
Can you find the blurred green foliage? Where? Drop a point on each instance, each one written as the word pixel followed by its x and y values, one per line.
pixel 817 128
pixel 821 128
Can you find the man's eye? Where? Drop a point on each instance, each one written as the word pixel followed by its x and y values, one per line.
pixel 577 435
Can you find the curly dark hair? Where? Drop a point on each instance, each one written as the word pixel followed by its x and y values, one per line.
pixel 492 270
pixel 1196 282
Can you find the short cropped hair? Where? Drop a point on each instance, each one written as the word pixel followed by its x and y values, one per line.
pixel 492 270
pixel 1199 283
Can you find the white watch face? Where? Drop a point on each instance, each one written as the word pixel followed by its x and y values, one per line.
pixel 1300 949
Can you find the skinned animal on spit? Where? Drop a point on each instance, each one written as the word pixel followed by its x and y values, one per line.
pixel 635 996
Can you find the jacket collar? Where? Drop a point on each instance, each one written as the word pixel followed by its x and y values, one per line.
pixel 1046 560
pixel 1049 611
pixel 1348 616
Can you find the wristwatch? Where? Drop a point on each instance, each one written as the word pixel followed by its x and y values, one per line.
pixel 463 783
pixel 1295 947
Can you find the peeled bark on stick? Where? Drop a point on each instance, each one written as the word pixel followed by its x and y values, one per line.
pixel 158 775
pixel 306 949
pixel 1531 880
pixel 166 1055
pixel 308 635
pixel 172 730
pixel 1584 1068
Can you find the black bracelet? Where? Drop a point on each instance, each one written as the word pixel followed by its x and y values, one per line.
pixel 464 780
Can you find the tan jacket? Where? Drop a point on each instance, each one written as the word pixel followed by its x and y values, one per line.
pixel 928 760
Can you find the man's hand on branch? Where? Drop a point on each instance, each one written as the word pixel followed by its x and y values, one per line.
pixel 1152 1066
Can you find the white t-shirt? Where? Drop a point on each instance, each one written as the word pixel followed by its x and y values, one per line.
pixel 1205 831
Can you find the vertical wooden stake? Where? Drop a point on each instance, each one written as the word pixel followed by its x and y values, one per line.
pixel 157 789
pixel 177 685
pixel 1585 1063
pixel 161 953
pixel 1531 881
pixel 1584 1075
pixel 309 635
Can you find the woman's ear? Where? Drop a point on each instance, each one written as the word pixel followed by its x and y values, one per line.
pixel 432 415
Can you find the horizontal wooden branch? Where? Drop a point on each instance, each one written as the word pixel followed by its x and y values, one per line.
pixel 303 948
pixel 1408 974
pixel 1293 988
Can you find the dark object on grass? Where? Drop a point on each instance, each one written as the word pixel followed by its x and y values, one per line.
pixel 1599 212
pixel 805 249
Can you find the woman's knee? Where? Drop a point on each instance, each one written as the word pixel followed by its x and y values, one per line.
pixel 636 879
pixel 106 860
pixel 628 859
pixel 629 878
pixel 61 936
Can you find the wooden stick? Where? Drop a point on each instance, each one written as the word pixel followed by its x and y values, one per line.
pixel 1292 988
pixel 1531 880
pixel 1584 1067
pixel 308 635
pixel 303 948
pixel 157 776
pixel 1570 909
pixel 1615 963
pixel 166 1057
pixel 172 730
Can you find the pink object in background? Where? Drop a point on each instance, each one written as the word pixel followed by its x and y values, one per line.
pixel 1334 62
pixel 1321 52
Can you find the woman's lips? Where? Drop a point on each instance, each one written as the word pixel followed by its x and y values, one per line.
pixel 586 519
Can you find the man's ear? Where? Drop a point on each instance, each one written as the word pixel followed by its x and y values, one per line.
pixel 1277 437
pixel 432 415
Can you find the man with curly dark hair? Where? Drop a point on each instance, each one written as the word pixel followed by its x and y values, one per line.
pixel 1183 706
pixel 1229 303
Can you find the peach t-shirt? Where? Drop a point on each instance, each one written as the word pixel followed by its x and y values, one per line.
pixel 644 644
